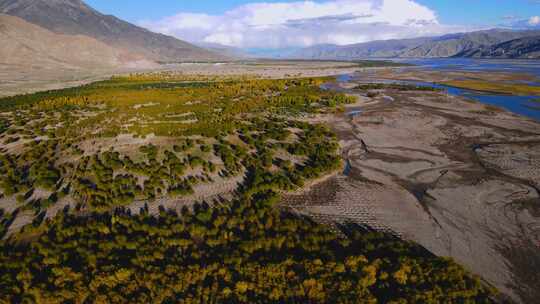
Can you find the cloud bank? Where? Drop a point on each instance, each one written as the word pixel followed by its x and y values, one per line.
pixel 305 23
pixel 534 21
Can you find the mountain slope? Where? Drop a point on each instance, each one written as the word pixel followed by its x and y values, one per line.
pixel 522 48
pixel 381 49
pixel 31 46
pixel 451 45
pixel 74 17
pixel 427 47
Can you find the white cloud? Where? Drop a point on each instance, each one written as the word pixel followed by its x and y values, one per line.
pixel 304 23
pixel 532 23
pixel 534 20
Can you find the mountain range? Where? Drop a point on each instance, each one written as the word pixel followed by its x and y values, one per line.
pixel 482 44
pixel 75 20
pixel 526 48
pixel 70 34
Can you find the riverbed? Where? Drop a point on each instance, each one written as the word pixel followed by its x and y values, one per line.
pixel 525 71
pixel 458 177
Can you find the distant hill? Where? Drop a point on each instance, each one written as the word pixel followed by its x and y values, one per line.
pixel 74 17
pixel 454 44
pixel 376 49
pixel 522 48
pixel 25 46
pixel 427 47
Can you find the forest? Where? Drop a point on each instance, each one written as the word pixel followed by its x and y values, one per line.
pixel 243 252
pixel 149 136
pixel 74 161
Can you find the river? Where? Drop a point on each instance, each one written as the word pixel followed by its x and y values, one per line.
pixel 523 105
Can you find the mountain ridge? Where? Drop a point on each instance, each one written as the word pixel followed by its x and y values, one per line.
pixel 424 47
pixel 75 17
pixel 525 48
pixel 34 47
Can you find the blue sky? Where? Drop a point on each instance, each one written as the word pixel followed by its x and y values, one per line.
pixel 297 23
pixel 484 12
pixel 488 12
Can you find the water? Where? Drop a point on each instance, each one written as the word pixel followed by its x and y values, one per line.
pixel 478 65
pixel 354 113
pixel 523 105
pixel 344 78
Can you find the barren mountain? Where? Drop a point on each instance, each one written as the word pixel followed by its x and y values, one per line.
pixel 453 45
pixel 382 49
pixel 74 17
pixel 524 48
pixel 30 46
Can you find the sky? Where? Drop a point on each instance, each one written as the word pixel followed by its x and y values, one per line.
pixel 276 24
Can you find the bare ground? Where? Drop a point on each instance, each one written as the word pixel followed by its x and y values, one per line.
pixel 455 176
pixel 15 80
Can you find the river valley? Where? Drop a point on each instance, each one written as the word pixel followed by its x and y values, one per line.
pixel 457 176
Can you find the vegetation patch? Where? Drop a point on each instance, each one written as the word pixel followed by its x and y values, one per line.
pixel 244 252
pixel 495 87
pixel 155 136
